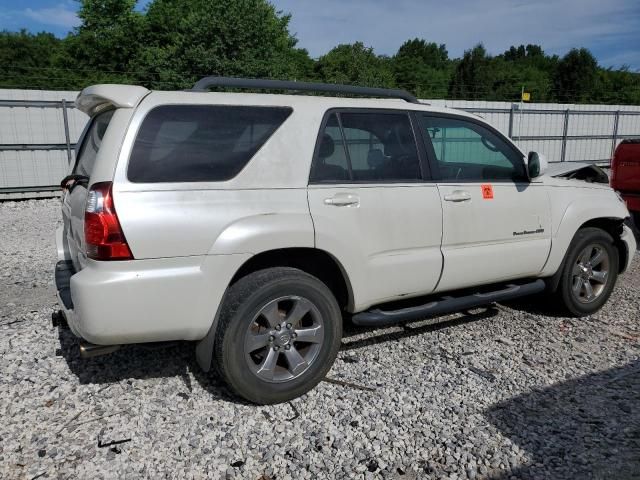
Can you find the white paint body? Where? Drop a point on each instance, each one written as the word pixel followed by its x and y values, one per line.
pixel 392 241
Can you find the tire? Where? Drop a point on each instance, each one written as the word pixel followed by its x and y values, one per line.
pixel 258 348
pixel 592 258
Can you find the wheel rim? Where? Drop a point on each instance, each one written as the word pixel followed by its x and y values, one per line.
pixel 284 339
pixel 590 273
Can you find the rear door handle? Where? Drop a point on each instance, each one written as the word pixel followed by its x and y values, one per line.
pixel 342 200
pixel 458 196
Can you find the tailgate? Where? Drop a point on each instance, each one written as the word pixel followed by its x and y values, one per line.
pixel 626 167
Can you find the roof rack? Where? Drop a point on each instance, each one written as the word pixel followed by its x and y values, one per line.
pixel 205 83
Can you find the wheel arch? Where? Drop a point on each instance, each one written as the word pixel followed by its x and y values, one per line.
pixel 576 210
pixel 313 261
pixel 614 227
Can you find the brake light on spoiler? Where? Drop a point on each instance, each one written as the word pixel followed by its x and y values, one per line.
pixel 103 234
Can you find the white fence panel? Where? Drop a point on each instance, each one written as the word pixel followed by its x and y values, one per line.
pixel 589 134
pixel 33 141
pixel 34 152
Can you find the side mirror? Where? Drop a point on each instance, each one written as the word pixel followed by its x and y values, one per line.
pixel 536 165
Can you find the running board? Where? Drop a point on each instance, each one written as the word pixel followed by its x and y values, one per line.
pixel 381 318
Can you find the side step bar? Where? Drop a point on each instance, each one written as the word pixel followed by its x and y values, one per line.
pixel 379 318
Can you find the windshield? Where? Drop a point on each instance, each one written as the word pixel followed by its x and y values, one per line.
pixel 91 143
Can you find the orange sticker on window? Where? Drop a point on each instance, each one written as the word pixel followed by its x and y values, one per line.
pixel 487 191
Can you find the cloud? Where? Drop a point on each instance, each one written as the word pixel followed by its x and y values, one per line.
pixel 60 15
pixel 605 27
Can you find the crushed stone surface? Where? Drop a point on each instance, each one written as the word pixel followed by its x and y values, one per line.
pixel 508 391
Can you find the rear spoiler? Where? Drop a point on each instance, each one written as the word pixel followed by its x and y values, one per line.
pixel 96 98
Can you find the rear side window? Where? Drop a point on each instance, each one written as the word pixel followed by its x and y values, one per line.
pixel 91 143
pixel 331 158
pixel 366 147
pixel 200 143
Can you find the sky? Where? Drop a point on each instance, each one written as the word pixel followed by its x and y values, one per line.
pixel 609 28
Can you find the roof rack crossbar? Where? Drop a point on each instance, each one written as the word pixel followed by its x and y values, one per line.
pixel 204 84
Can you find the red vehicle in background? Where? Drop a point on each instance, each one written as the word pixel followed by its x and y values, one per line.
pixel 625 175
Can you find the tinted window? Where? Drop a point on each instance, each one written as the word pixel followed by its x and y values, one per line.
pixel 196 143
pixel 331 158
pixel 91 143
pixel 468 151
pixel 379 147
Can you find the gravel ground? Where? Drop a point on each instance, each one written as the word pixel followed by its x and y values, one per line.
pixel 512 391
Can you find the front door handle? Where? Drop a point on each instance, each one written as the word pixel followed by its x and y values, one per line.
pixel 458 196
pixel 342 200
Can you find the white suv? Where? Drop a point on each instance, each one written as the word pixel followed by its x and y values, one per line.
pixel 253 223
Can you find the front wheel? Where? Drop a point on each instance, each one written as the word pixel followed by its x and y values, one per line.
pixel 279 334
pixel 589 273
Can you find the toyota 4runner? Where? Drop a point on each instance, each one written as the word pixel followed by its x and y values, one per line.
pixel 253 223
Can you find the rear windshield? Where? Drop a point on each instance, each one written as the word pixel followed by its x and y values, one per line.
pixel 91 143
pixel 200 143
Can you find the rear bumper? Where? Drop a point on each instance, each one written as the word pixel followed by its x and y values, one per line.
pixel 138 301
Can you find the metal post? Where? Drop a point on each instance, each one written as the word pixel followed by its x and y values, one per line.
pixel 564 135
pixel 614 137
pixel 511 122
pixel 65 119
pixel 443 150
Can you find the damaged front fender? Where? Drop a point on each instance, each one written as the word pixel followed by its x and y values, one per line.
pixel 578 171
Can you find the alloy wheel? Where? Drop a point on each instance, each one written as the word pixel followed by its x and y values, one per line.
pixel 590 273
pixel 284 339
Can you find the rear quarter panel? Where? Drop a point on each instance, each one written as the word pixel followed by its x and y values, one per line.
pixel 180 223
pixel 239 215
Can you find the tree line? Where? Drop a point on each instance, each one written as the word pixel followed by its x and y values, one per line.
pixel 173 43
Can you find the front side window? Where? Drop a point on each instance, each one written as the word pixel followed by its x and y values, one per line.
pixel 468 151
pixel 366 147
pixel 200 143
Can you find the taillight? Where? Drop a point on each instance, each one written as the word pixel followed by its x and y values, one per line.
pixel 102 232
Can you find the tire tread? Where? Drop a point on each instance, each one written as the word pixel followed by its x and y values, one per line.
pixel 236 296
pixel 580 240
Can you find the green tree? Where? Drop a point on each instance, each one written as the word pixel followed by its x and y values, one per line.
pixel 575 76
pixel 422 68
pixel 472 79
pixel 617 86
pixel 430 54
pixel 101 48
pixel 175 42
pixel 187 39
pixel 523 66
pixel 27 60
pixel 355 64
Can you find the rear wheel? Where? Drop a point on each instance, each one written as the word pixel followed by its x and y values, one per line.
pixel 279 333
pixel 589 273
